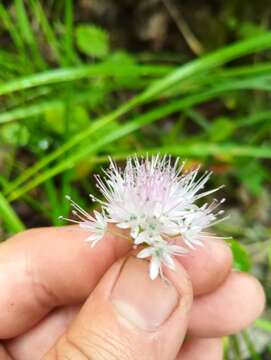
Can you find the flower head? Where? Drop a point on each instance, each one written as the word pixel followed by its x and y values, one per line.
pixel 155 199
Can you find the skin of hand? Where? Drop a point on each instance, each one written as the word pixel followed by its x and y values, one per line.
pixel 62 299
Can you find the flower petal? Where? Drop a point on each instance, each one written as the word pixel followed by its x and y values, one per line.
pixel 154 267
pixel 92 237
pixel 169 262
pixel 145 253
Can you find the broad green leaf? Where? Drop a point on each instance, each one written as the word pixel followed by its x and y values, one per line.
pixel 92 40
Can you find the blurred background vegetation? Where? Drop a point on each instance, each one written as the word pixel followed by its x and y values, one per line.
pixel 81 80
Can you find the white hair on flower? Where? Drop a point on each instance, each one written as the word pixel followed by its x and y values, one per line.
pixel 155 199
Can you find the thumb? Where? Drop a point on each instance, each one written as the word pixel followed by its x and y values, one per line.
pixel 128 316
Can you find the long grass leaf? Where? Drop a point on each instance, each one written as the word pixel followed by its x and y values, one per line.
pixel 217 58
pixel 69 33
pixel 11 28
pixel 159 113
pixel 205 63
pixel 26 31
pixel 126 129
pixel 8 215
pixel 47 30
pixel 70 74
pixel 199 150
pixel 208 62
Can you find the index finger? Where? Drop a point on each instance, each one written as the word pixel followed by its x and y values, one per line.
pixel 47 267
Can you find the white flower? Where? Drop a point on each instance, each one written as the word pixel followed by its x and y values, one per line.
pixel 195 221
pixel 156 200
pixel 161 253
pixel 147 189
pixel 150 230
pixel 96 225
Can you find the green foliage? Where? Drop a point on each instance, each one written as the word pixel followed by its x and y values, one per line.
pixel 69 99
pixel 12 221
pixel 14 134
pixel 241 258
pixel 92 40
pixel 263 324
pixel 253 176
pixel 221 129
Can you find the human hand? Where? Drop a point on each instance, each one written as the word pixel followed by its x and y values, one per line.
pixel 62 298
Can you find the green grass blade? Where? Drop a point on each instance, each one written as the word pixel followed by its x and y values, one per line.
pixel 126 129
pixel 52 196
pixel 250 346
pixel 218 150
pixel 48 31
pixel 205 63
pixel 26 31
pixel 29 111
pixel 59 152
pixel 69 33
pixel 247 70
pixel 253 119
pixel 198 150
pixel 8 215
pixel 11 28
pixel 263 324
pixel 23 22
pixel 73 74
pixel 41 107
pixel 161 111
pixel 208 62
pixel 90 97
pixel 235 346
pixel 35 204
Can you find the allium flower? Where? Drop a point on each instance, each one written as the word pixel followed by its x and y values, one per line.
pixel 161 252
pixel 154 199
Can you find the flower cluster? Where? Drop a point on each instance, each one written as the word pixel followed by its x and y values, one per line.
pixel 155 199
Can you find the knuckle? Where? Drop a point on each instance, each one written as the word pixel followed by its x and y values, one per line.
pixel 66 349
pixel 93 346
pixel 42 295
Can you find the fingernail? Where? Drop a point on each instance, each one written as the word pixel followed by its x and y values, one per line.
pixel 145 303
